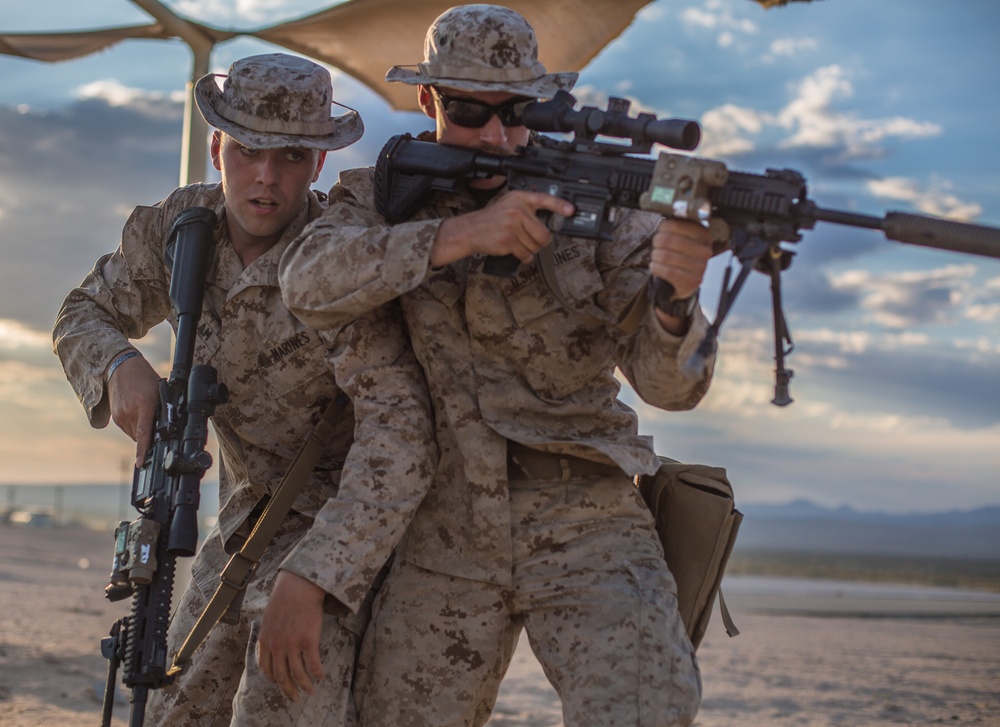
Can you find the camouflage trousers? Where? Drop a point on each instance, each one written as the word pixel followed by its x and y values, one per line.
pixel 589 587
pixel 223 685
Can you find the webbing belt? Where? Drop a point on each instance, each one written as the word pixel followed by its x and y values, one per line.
pixel 241 567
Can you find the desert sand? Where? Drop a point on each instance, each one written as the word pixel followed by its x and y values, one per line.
pixel 812 657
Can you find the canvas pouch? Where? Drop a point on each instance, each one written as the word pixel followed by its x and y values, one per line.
pixel 697 521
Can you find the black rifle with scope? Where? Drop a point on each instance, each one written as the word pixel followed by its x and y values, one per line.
pixel 166 488
pixel 749 214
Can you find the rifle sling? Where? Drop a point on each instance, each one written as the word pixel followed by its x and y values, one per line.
pixel 547 266
pixel 240 569
pixel 631 318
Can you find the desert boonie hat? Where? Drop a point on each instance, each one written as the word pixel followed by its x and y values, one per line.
pixel 277 100
pixel 483 48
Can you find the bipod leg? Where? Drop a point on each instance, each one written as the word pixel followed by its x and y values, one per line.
pixel 748 251
pixel 782 334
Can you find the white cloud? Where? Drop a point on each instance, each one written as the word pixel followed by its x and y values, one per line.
pixel 10 194
pixel 847 342
pixel 653 11
pixel 790 47
pixel 824 449
pixel 223 12
pixel 982 345
pixel 149 103
pixel 858 342
pixel 881 423
pixel 814 122
pixel 717 17
pixel 588 95
pixel 696 17
pixel 724 129
pixel 37 388
pixel 933 200
pixel 15 335
pixel 983 313
pixel 898 300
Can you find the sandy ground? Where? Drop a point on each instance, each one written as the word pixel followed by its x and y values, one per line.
pixel 829 657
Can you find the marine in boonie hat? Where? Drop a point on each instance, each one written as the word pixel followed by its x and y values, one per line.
pixel 483 48
pixel 277 100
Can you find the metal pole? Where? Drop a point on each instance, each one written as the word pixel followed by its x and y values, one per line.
pixel 194 139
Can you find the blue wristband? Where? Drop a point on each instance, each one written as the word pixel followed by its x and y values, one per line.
pixel 118 362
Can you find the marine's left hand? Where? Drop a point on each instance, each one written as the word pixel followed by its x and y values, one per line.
pixel 288 644
pixel 681 251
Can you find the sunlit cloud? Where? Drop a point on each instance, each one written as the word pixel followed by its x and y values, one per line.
pixel 37 388
pixel 589 95
pixel 856 342
pixel 15 335
pixel 718 18
pixel 983 313
pixel 979 345
pixel 812 121
pixel 155 104
pixel 724 130
pixel 775 453
pixel 897 300
pixel 222 12
pixel 986 307
pixel 789 48
pixel 882 423
pixel 933 200
pixel 10 199
pixel 815 123
pixel 651 12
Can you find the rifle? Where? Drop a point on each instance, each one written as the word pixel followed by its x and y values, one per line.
pixel 749 214
pixel 165 489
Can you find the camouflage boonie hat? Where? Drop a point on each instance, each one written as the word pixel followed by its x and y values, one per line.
pixel 483 48
pixel 276 100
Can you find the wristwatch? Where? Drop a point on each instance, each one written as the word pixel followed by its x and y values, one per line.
pixel 678 308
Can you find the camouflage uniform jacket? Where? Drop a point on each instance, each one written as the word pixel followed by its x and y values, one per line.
pixel 279 384
pixel 504 360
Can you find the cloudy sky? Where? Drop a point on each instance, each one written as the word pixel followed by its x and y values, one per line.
pixel 888 105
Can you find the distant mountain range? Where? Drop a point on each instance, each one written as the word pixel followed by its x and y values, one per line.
pixel 804 526
pixel 798 526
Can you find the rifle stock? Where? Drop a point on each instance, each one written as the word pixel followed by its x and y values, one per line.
pixel 165 489
pixel 748 214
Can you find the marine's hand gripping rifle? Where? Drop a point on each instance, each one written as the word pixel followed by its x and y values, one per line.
pixel 165 489
pixel 749 214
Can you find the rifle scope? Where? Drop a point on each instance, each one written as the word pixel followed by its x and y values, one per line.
pixel 558 115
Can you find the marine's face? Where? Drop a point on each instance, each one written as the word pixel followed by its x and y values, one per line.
pixel 264 188
pixel 493 136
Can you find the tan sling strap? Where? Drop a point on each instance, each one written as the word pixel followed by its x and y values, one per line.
pixel 240 569
pixel 547 266
pixel 633 314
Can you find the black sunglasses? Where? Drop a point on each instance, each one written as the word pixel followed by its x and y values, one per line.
pixel 474 114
